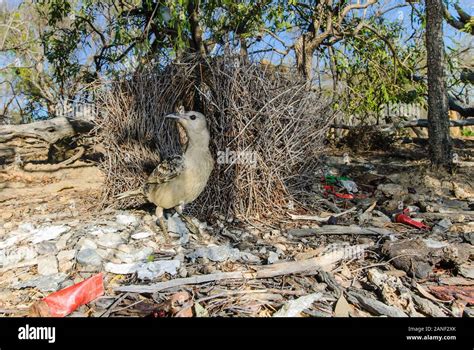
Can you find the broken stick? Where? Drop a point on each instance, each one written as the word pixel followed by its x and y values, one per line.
pixel 339 230
pixel 374 306
pixel 268 271
pixel 319 218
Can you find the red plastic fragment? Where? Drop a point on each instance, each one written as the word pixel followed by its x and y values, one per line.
pixel 405 219
pixel 65 301
pixel 331 190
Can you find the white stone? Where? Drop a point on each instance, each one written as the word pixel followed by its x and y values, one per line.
pixel 176 225
pixel 26 253
pixel 110 240
pixel 46 248
pixel 17 255
pixel 272 257
pixel 26 227
pixel 43 283
pixel 431 243
pixel 134 256
pixel 293 308
pixel 66 255
pixel 222 253
pixel 87 243
pixel 145 271
pixel 89 257
pixel 3 257
pixel 103 253
pixel 102 230
pixel 63 240
pixel 126 220
pixel 48 233
pixel 141 235
pixel 8 242
pixel 216 253
pixel 47 265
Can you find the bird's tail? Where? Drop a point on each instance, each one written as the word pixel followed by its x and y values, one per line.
pixel 132 193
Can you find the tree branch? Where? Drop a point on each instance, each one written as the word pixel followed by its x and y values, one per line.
pixel 351 7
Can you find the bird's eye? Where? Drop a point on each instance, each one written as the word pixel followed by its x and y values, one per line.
pixel 193 117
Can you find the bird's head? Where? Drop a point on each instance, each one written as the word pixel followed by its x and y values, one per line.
pixel 194 123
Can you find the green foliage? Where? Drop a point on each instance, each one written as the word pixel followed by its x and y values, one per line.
pixel 378 70
pixel 467 133
pixel 63 45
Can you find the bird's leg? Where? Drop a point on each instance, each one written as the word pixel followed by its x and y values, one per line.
pixel 179 209
pixel 161 221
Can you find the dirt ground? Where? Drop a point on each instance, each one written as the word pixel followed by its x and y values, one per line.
pixel 346 257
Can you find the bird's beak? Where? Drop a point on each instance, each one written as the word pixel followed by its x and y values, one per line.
pixel 174 116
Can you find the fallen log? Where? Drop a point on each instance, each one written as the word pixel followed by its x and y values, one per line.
pixel 423 123
pixel 339 230
pixel 374 306
pixel 267 271
pixel 36 141
pixel 460 107
pixel 427 307
pixel 415 123
pixel 50 130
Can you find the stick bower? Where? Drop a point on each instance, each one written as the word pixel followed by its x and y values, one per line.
pixel 267 131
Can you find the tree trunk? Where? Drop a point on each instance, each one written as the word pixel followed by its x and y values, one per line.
pixel 304 57
pixel 304 47
pixel 244 54
pixel 438 128
pixel 39 141
pixel 196 30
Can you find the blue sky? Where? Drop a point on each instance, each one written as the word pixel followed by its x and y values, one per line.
pixel 402 14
